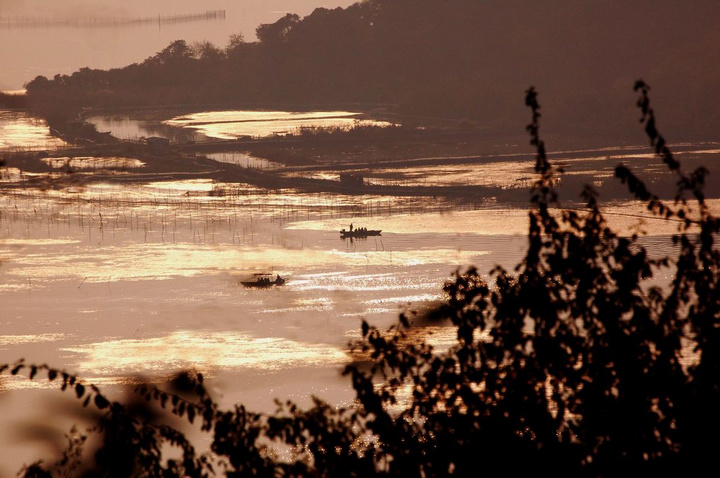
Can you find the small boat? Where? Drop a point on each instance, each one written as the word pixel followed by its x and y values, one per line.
pixel 263 280
pixel 359 232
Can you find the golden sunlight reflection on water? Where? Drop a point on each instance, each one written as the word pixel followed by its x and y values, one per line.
pixel 163 262
pixel 492 170
pixel 626 217
pixel 258 115
pixel 24 339
pixel 113 281
pixel 243 159
pixel 183 185
pixel 407 299
pixel 510 221
pixel 500 174
pixel 181 295
pixel 202 350
pixel 20 131
pixel 38 242
pixel 91 162
pixel 234 124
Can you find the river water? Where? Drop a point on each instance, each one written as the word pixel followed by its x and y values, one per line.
pixel 230 125
pixel 18 132
pixel 115 282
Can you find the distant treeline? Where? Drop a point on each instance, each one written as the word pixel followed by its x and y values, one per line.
pixel 12 101
pixel 459 59
pixel 106 22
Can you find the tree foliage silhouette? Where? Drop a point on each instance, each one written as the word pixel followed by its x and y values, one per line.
pixel 576 363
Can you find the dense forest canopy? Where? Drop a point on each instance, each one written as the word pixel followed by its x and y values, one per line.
pixel 458 59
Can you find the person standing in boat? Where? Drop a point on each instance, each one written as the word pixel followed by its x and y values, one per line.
pixel 351 227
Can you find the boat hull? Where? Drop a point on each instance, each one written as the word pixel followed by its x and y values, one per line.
pixel 345 234
pixel 258 285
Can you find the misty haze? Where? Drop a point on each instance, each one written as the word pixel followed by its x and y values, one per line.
pixel 380 238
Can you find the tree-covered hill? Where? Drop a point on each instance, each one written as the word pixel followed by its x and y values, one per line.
pixel 458 59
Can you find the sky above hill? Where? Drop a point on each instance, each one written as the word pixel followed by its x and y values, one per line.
pixel 26 52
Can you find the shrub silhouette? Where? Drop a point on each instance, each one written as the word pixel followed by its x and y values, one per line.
pixel 573 363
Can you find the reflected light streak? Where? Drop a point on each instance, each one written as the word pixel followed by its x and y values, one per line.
pixel 37 242
pixel 21 382
pixel 203 350
pixel 280 128
pixel 238 116
pixel 365 283
pixel 243 159
pixel 505 221
pixel 234 124
pixel 183 185
pixel 25 339
pixel 18 130
pixel 91 162
pixel 156 261
pixel 371 311
pixel 412 257
pixel 505 173
pixel 320 301
pixel 15 287
pixel 405 299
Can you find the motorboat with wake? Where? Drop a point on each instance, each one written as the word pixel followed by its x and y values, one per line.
pixel 264 280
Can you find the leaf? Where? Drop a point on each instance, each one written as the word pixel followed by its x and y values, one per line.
pixel 101 402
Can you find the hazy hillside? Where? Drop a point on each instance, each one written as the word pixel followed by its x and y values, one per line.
pixel 461 59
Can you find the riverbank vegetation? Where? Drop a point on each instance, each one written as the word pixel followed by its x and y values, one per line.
pixel 575 363
pixel 13 101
